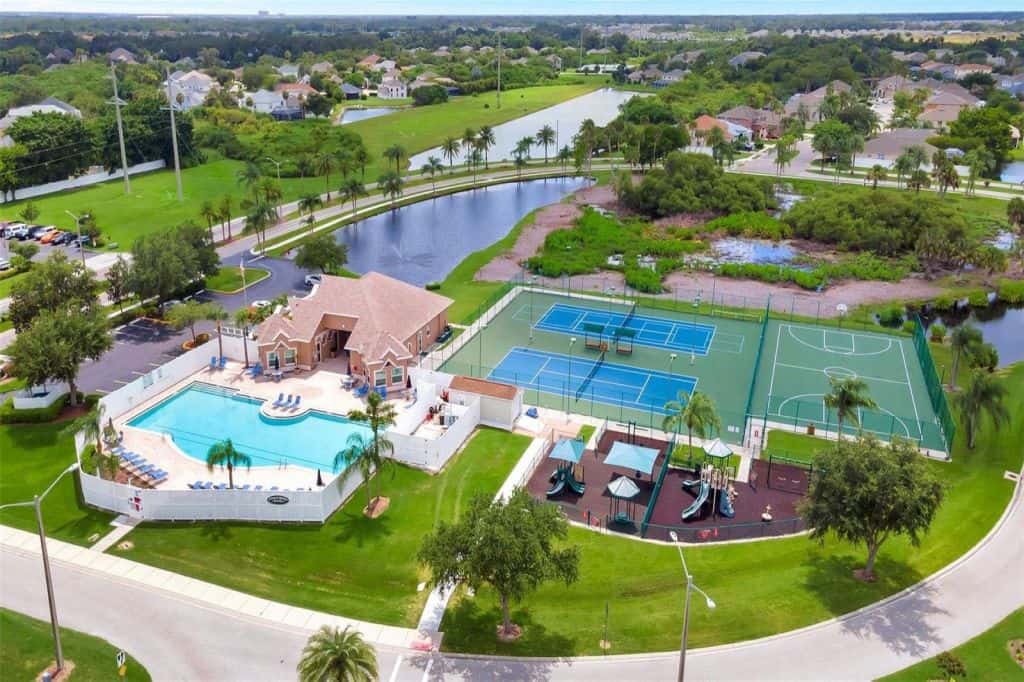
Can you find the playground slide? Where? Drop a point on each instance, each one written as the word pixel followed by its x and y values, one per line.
pixel 702 497
pixel 559 483
pixel 725 507
pixel 576 486
pixel 692 482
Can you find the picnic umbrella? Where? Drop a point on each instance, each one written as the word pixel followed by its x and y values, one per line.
pixel 319 479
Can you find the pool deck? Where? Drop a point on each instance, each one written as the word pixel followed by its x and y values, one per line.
pixel 321 390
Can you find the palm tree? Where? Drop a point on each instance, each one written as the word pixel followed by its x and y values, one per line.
pixel 565 156
pixel 432 167
pixel 546 138
pixel 396 153
pixel 362 157
pixel 391 185
pixel 248 176
pixel 89 425
pixel 355 457
pixel 785 152
pixel 588 138
pixel 876 174
pixel 271 192
pixel 215 313
pixel 308 203
pixel 1015 214
pixel 324 164
pixel 449 150
pixel 345 162
pixel 468 141
pixel 918 180
pixel 224 213
pixel 696 412
pixel 351 189
pixel 486 139
pixel 903 167
pixel 242 319
pixel 982 394
pixel 963 338
pixel 335 655
pixel 476 157
pixel 378 415
pixel 208 212
pixel 224 454
pixel 846 397
pixel 261 215
pixel 946 176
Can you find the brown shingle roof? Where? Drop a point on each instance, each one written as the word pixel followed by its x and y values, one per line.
pixel 493 389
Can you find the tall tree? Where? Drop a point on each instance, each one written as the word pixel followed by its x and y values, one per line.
pixel 512 545
pixel 785 152
pixel 1015 214
pixel 983 394
pixel 865 492
pixel 308 203
pixel 696 412
pixel 324 163
pixel 396 153
pixel 486 139
pixel 847 396
pixel 117 282
pixel 432 167
pixel 336 655
pixel 209 213
pixel 963 339
pixel 875 175
pixel 54 284
pixel 545 138
pixel 56 343
pixel 224 209
pixel 378 415
pixel 449 150
pixel 564 156
pixel 224 454
pixel 322 252
pixel 468 142
pixel 351 190
pixel 391 185
pixel 188 315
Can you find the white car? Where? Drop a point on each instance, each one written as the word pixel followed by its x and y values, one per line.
pixel 313 280
pixel 5 264
pixel 262 303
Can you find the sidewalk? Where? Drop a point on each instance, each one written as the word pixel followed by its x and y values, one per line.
pixel 199 592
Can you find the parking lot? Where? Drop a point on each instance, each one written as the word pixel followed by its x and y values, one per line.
pixel 139 347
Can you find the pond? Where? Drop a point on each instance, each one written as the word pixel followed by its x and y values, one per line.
pixel 353 115
pixel 1013 172
pixel 737 250
pixel 601 106
pixel 1000 324
pixel 423 242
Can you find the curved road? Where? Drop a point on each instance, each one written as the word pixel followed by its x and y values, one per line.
pixel 176 639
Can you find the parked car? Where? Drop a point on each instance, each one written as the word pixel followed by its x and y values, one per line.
pixel 167 305
pixel 50 236
pixel 5 264
pixel 313 280
pixel 77 242
pixel 37 232
pixel 19 232
pixel 8 230
pixel 262 303
pixel 63 238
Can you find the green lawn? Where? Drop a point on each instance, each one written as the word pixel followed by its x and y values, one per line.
pixel 986 658
pixel 420 128
pixel 761 588
pixel 798 446
pixel 229 280
pixel 28 649
pixel 351 565
pixel 7 283
pixel 31 457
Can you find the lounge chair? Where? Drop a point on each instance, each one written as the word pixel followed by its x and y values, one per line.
pixel 273 488
pixel 288 403
pixel 298 399
pixel 198 485
pixel 143 471
pixel 280 399
pixel 158 477
pixel 213 362
pixel 223 362
pixel 245 487
pixel 221 486
pixel 208 485
pixel 259 487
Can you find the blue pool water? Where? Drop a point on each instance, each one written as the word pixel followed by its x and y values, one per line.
pixel 202 415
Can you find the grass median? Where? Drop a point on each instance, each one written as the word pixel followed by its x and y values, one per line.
pixel 353 566
pixel 228 280
pixel 761 588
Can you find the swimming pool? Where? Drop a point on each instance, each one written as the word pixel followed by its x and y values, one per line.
pixel 201 415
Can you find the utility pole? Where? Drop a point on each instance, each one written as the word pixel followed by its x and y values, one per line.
pixel 499 69
pixel 117 102
pixel 171 104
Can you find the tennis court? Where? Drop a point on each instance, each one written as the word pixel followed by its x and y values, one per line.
pixel 609 383
pixel 798 361
pixel 647 330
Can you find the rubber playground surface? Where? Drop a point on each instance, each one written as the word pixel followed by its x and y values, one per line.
pixel 601 381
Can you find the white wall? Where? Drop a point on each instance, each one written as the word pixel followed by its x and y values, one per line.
pixel 160 379
pixel 433 453
pixel 26 399
pixel 86 180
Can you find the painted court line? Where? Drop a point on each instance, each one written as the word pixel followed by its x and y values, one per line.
pixel 857 374
pixel 913 399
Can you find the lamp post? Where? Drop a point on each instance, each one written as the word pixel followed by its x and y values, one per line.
pixel 78 227
pixel 278 164
pixel 686 608
pixel 671 358
pixel 36 503
pixel 572 341
pixel 480 348
pixel 533 282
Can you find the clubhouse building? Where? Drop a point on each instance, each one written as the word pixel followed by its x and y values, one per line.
pixel 376 326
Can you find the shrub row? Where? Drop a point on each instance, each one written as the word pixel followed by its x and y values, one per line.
pixel 41 415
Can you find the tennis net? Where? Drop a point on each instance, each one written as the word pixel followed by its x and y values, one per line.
pixel 629 316
pixel 590 375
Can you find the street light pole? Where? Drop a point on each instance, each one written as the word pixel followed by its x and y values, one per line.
pixel 278 164
pixel 78 227
pixel 572 340
pixel 690 587
pixel 36 503
pixel 533 281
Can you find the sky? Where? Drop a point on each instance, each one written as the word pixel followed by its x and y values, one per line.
pixel 506 7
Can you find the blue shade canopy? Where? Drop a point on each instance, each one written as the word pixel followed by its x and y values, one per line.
pixel 623 487
pixel 632 457
pixel 568 449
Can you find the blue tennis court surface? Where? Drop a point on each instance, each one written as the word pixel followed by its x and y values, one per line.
pixel 584 378
pixel 657 332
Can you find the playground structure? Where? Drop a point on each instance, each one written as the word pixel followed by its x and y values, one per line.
pixel 715 483
pixel 567 452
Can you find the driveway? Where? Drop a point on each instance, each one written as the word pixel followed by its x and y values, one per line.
pixel 285 278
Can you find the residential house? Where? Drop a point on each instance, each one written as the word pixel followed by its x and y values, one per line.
pixel 288 70
pixel 122 56
pixel 763 123
pixel 910 57
pixel 295 94
pixel 392 88
pixel 996 62
pixel 809 104
pixel 947 71
pixel 60 55
pixel 964 70
pixel 368 62
pixel 744 57
pixel 466 49
pixel 944 107
pixel 50 105
pixel 888 87
pixel 441 53
pixel 188 90
pixel 385 65
pixel 263 101
pixel 375 324
pixel 555 61
pixel 599 51
pixel 321 67
pixel 1012 84
pixel 350 91
pixel 675 75
pixel 888 145
pixel 704 124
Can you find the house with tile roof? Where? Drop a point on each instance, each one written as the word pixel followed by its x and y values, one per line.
pixel 810 103
pixel 378 324
pixel 764 123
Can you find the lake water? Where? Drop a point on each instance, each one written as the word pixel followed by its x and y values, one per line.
pixel 1000 324
pixel 737 250
pixel 1013 172
pixel 601 105
pixel 354 115
pixel 423 242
